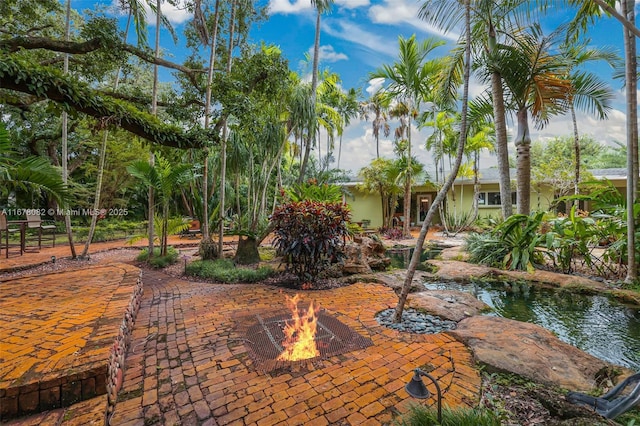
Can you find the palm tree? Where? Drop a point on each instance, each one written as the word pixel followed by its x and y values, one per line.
pixel 328 99
pixel 206 235
pixel 589 92
pixel 586 13
pixel 633 169
pixel 378 106
pixel 321 6
pixel 348 109
pixel 28 174
pixel 302 113
pixel 482 136
pixel 415 257
pixel 65 138
pixel 166 180
pixel 381 177
pixel 154 111
pixel 487 17
pixel 411 79
pixel 536 84
pixel 223 141
pixel 135 12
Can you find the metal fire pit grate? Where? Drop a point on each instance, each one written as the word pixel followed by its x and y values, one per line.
pixel 264 340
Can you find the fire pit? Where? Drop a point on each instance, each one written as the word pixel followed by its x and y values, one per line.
pixel 276 341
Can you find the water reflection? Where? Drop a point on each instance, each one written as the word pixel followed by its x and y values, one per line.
pixel 401 256
pixel 595 324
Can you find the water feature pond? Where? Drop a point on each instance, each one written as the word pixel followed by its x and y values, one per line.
pixel 594 323
pixel 401 256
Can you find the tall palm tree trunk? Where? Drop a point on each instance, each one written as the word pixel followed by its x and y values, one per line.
pixel 223 148
pixel 309 140
pixel 406 232
pixel 154 111
pixel 523 149
pixel 632 138
pixel 206 235
pixel 339 151
pixel 476 186
pixel 101 162
pixel 65 139
pixel 502 143
pixel 415 258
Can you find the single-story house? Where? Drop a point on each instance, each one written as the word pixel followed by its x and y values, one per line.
pixel 367 207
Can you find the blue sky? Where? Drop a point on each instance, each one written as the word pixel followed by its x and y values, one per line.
pixel 360 35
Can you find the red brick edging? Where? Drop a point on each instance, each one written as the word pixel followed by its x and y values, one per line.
pixel 86 380
pixel 118 353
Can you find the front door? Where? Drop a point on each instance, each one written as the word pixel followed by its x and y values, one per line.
pixel 424 202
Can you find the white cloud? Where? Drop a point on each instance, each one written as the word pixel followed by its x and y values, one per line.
pixel 352 4
pixel 300 6
pixel 359 147
pixel 608 131
pixel 286 7
pixel 176 15
pixel 375 84
pixel 399 12
pixel 328 54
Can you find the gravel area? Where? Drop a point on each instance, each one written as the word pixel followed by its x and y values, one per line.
pixel 127 255
pixel 415 321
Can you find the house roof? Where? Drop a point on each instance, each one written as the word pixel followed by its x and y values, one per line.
pixel 619 173
pixel 492 175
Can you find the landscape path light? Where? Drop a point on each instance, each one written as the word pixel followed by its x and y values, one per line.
pixel 417 389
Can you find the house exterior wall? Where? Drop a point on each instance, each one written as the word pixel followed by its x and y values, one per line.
pixel 365 207
pixel 368 206
pixel 541 199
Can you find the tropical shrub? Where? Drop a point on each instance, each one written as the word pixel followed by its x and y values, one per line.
pixel 420 415
pixel 569 239
pixel 485 249
pixel 313 192
pixel 457 222
pixel 609 211
pixel 174 225
pixel 391 233
pixel 310 235
pixel 223 270
pixel 514 244
pixel 158 261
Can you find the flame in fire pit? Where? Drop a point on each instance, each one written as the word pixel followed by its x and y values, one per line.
pixel 300 333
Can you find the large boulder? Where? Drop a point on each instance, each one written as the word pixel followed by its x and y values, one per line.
pixel 395 279
pixel 449 304
pixel 530 351
pixel 456 270
pixel 462 271
pixel 364 255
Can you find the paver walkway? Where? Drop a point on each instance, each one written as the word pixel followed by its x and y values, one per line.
pixel 31 259
pixel 57 330
pixel 188 364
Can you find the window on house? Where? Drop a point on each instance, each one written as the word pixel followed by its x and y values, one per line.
pixel 493 198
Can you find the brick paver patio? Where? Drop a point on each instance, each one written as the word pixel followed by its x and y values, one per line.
pixel 188 363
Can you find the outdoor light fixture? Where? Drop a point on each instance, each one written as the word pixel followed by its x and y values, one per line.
pixel 185 257
pixel 417 389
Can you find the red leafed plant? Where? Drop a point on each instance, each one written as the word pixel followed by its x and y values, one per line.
pixel 310 235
